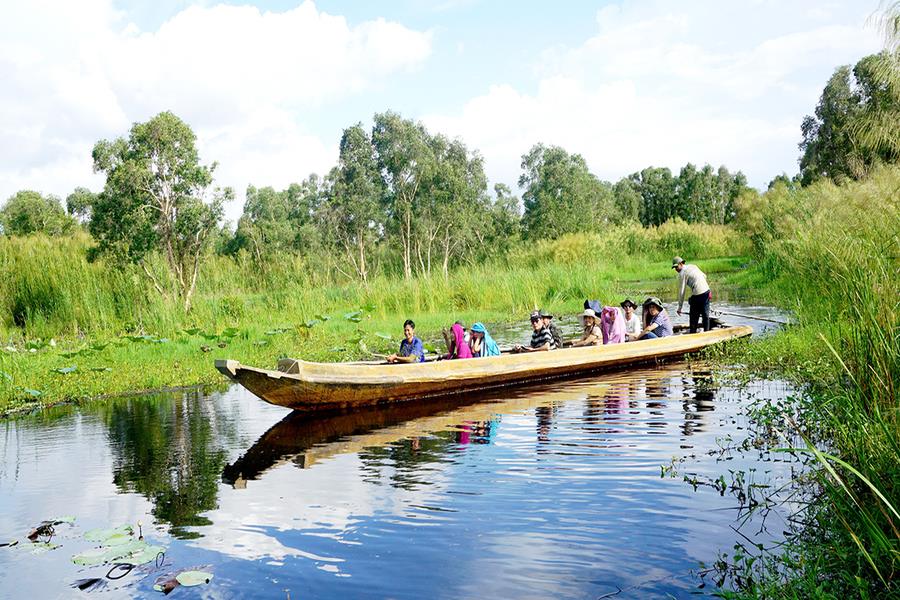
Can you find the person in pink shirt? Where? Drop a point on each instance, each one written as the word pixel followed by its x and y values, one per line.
pixel 459 347
pixel 612 325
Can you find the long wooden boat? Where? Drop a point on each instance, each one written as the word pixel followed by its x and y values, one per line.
pixel 310 386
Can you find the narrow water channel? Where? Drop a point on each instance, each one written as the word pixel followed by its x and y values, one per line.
pixel 560 490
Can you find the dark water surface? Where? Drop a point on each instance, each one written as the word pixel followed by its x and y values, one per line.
pixel 552 491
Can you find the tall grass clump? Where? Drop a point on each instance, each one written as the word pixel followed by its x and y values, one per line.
pixel 48 288
pixel 833 252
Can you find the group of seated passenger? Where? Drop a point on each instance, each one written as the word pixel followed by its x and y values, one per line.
pixel 600 325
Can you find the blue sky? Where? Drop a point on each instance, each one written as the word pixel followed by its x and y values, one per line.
pixel 269 86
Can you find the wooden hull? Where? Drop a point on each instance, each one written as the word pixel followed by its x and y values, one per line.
pixel 310 387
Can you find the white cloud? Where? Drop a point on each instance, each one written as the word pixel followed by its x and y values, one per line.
pixel 243 79
pixel 663 84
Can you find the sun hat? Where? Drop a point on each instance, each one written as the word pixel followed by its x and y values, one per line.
pixel 626 302
pixel 653 300
pixel 545 314
pixel 677 261
pixel 588 312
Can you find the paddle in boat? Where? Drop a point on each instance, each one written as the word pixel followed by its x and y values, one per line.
pixel 311 387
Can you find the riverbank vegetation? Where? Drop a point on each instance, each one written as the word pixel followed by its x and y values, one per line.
pixel 832 253
pixel 140 286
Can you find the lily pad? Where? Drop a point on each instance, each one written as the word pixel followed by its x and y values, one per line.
pixel 192 331
pixel 322 317
pixel 65 370
pixel 355 316
pixel 104 554
pixel 101 535
pixel 384 336
pixel 145 555
pixel 230 332
pixel 33 393
pixel 191 578
pixel 41 547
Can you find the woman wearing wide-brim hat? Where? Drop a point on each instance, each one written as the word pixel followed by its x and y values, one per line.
pixel 658 324
pixel 592 335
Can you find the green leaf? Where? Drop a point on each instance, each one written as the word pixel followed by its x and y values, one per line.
pixel 354 316
pixel 101 369
pixel 65 370
pixel 230 332
pixel 369 307
pixel 33 393
pixel 191 578
pixel 192 331
pixel 65 519
pixel 143 556
pixel 384 336
pixel 322 317
pixel 99 346
pixel 6 376
pixel 160 341
pixel 101 535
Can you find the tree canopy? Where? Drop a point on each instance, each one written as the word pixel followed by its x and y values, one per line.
pixel 29 212
pixel 157 197
pixel 856 122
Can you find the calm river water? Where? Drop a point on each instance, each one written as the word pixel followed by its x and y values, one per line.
pixel 553 491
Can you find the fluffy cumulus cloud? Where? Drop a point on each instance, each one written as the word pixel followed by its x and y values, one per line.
pixel 76 72
pixel 664 84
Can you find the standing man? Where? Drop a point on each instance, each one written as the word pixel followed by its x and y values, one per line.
pixel 691 276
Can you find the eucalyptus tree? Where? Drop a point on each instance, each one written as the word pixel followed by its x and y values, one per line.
pixel 28 212
pixel 856 122
pixel 628 201
pixel 79 204
pixel 404 159
pixel 354 211
pixel 561 195
pixel 157 198
pixel 658 194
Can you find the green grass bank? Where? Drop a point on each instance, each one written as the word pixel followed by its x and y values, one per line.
pixel 75 330
pixel 832 254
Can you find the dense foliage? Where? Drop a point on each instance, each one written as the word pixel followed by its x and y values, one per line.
pixel 856 123
pixel 29 212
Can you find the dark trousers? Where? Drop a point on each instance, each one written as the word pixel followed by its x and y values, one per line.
pixel 699 304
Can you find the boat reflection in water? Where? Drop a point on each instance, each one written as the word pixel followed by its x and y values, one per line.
pixel 305 439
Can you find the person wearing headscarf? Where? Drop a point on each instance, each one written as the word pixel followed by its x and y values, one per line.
pixel 612 325
pixel 482 343
pixel 459 348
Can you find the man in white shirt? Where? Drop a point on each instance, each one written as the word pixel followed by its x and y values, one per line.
pixel 691 276
pixel 633 325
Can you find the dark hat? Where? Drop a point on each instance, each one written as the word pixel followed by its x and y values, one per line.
pixel 653 300
pixel 545 314
pixel 535 315
pixel 626 302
